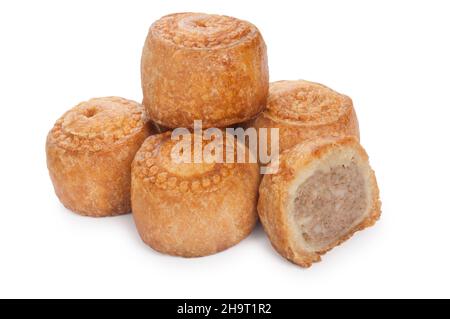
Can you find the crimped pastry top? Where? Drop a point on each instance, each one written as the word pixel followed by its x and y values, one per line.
pixel 304 102
pixel 202 31
pixel 153 164
pixel 98 123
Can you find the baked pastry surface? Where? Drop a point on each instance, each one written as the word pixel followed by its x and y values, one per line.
pixel 89 154
pixel 304 110
pixel 205 67
pixel 323 192
pixel 191 209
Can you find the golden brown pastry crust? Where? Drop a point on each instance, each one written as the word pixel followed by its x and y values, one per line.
pixel 203 67
pixel 191 209
pixel 275 197
pixel 89 154
pixel 305 110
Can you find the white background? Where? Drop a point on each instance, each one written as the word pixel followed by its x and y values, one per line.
pixel 391 57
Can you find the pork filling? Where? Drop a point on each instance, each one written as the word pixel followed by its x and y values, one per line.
pixel 329 204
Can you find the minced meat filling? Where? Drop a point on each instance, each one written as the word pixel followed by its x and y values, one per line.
pixel 329 203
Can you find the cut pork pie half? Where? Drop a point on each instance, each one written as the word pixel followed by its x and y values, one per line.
pixel 323 192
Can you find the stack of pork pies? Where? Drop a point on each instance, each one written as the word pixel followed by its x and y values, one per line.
pixel 109 156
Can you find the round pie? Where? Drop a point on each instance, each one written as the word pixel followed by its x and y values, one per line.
pixel 191 208
pixel 205 67
pixel 303 110
pixel 89 154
